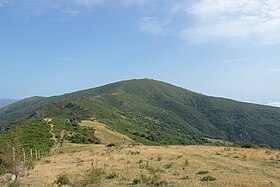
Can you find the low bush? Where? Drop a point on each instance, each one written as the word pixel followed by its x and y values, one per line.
pixel 202 172
pixel 92 177
pixel 29 164
pixel 208 178
pixel 248 145
pixel 111 145
pixel 14 184
pixel 111 176
pixel 153 180
pixel 136 181
pixel 62 179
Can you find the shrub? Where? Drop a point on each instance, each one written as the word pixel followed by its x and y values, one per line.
pixel 265 146
pixel 185 178
pixel 167 166
pixel 62 179
pixel 136 181
pixel 153 180
pixel 47 161
pixel 202 172
pixel 133 152
pixel 248 145
pixel 29 164
pixel 14 184
pixel 268 152
pixel 111 176
pixel 186 163
pixel 179 156
pixel 111 145
pixel 92 177
pixel 208 178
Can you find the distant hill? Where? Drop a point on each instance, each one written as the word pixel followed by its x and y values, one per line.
pixel 6 102
pixel 154 112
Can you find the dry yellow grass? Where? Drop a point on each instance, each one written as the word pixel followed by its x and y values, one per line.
pixel 172 165
pixel 106 135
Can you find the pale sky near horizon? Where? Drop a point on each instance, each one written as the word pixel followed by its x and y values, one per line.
pixel 228 48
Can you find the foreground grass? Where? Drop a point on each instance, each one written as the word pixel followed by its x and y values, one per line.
pixel 159 166
pixel 119 161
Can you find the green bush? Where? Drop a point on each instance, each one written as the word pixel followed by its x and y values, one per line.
pixel 265 146
pixel 208 178
pixel 29 164
pixel 136 181
pixel 14 184
pixel 111 145
pixel 111 176
pixel 248 145
pixel 92 177
pixel 159 158
pixel 202 172
pixel 62 179
pixel 153 180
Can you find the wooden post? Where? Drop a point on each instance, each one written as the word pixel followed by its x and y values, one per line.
pixel 23 152
pixel 14 155
pixel 31 154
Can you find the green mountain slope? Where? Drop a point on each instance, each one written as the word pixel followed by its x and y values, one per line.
pixel 154 112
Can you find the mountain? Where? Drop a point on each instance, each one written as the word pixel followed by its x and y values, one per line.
pixel 6 102
pixel 153 113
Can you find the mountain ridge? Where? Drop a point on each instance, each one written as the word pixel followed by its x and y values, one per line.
pixel 152 111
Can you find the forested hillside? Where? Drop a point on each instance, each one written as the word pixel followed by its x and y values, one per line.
pixel 154 112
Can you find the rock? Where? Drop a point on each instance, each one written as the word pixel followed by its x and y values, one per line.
pixel 14 177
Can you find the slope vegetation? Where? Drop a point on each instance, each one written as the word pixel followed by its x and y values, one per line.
pixel 154 113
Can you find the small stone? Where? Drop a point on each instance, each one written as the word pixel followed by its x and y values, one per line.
pixel 14 177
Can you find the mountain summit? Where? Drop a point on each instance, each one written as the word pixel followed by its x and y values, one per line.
pixel 154 112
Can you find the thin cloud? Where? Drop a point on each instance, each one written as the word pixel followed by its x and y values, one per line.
pixel 276 104
pixel 229 20
pixel 152 26
pixel 68 59
pixel 236 60
pixel 255 22
pixel 202 21
pixel 277 69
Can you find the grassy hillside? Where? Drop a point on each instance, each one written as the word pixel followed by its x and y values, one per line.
pixel 119 161
pixel 153 113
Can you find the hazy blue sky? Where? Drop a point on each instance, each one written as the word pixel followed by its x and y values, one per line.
pixel 228 48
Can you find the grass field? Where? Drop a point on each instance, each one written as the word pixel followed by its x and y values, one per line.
pixel 127 164
pixel 107 135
